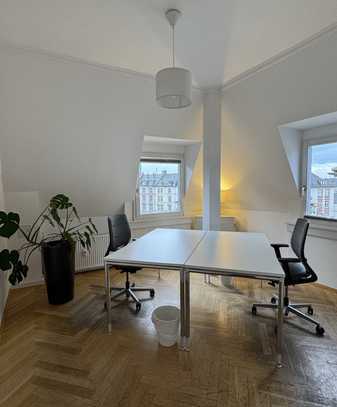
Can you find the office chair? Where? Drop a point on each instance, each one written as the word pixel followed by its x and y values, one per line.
pixel 120 236
pixel 297 271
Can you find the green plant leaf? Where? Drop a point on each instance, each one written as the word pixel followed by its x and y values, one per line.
pixel 14 256
pixel 11 261
pixel 8 259
pixel 60 201
pixel 54 214
pixel 68 236
pixel 5 263
pixel 87 240
pixel 82 241
pixel 9 224
pixel 93 225
pixel 76 214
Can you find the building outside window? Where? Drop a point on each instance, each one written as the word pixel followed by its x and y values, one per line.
pixel 159 186
pixel 321 192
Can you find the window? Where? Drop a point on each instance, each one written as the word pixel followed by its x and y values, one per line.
pixel 160 179
pixel 321 195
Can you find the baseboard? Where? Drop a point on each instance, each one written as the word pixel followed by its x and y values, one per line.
pixel 42 282
pixel 26 285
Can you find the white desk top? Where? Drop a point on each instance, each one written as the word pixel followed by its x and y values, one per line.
pixel 161 247
pixel 242 253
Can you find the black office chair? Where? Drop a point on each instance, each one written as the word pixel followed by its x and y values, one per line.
pixel 120 236
pixel 297 271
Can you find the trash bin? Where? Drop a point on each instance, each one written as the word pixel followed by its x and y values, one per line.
pixel 166 321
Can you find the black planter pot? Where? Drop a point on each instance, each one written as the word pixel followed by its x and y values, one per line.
pixel 58 263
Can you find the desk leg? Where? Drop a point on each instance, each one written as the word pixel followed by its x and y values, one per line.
pixel 107 295
pixel 280 322
pixel 182 310
pixel 187 309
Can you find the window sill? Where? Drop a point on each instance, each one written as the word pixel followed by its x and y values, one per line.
pixel 321 228
pixel 161 221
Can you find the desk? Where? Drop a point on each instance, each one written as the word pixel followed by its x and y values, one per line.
pixel 191 251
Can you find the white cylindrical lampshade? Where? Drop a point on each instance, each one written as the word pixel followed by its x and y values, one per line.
pixel 174 88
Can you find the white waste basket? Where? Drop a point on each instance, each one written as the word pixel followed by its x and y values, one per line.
pixel 166 321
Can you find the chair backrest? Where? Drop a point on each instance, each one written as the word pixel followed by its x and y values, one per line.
pixel 299 236
pixel 119 231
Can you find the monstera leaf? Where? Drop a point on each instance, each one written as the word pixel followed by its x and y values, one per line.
pixel 61 215
pixel 19 272
pixel 9 260
pixel 9 224
pixel 60 201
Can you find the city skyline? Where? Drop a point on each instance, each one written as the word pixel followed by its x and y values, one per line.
pixel 323 159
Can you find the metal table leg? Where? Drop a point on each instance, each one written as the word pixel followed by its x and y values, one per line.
pixel 280 322
pixel 182 310
pixel 187 309
pixel 107 295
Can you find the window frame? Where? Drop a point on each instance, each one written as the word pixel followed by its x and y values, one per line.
pixel 306 161
pixel 161 157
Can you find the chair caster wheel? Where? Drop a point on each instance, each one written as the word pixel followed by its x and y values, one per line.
pixel 151 293
pixel 273 300
pixel 254 310
pixel 310 310
pixel 319 330
pixel 138 306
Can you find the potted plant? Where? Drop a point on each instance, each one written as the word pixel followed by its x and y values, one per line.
pixel 57 246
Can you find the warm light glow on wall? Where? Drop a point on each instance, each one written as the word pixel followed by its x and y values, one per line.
pixel 225 186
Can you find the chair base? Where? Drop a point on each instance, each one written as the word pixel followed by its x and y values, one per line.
pixel 291 308
pixel 129 291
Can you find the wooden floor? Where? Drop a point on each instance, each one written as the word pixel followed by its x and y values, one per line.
pixel 62 355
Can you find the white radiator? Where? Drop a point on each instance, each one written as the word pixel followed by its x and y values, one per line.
pixel 85 260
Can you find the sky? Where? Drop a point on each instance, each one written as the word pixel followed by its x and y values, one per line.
pixel 153 168
pixel 323 159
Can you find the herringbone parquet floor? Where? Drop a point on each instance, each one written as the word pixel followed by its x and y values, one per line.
pixel 62 355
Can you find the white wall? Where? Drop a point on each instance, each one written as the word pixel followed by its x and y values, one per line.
pixel 292 145
pixel 4 285
pixel 78 129
pixel 263 193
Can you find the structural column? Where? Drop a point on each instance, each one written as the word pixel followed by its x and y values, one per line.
pixel 211 159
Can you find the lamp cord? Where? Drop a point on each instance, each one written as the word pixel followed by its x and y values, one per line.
pixel 173 48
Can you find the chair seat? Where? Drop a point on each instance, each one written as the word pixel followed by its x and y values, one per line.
pixel 296 273
pixel 130 269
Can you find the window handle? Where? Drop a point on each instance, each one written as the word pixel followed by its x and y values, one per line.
pixel 303 190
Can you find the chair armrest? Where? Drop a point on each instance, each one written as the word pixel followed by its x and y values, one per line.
pixel 279 245
pixel 276 247
pixel 289 260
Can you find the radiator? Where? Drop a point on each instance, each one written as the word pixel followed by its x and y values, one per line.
pixel 85 260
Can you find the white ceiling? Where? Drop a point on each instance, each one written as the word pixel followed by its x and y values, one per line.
pixel 216 39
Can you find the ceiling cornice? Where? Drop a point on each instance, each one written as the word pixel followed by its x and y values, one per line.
pixel 71 59
pixel 281 56
pixel 268 63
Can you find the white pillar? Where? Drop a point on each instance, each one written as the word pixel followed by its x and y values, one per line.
pixel 211 159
